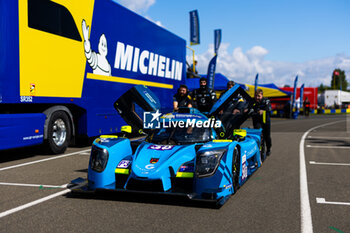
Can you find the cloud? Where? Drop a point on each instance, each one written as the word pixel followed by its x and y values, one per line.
pixel 156 22
pixel 139 6
pixel 243 66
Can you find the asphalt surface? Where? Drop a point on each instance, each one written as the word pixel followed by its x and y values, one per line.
pixel 33 197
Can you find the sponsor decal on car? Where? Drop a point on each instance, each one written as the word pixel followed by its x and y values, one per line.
pixel 154 160
pixel 104 140
pixel 124 164
pixel 160 147
pixel 186 168
pixel 149 166
pixel 244 167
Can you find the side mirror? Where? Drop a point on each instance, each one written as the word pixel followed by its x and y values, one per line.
pixel 126 129
pixel 239 134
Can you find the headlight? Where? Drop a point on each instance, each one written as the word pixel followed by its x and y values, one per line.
pixel 208 162
pixel 99 159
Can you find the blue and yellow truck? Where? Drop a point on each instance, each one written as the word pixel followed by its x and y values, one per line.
pixel 63 64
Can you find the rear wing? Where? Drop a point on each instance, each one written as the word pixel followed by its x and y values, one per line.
pixel 134 102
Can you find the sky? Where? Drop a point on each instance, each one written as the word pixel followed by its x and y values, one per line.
pixel 278 39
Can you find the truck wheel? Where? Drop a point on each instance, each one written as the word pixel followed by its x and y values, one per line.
pixel 58 133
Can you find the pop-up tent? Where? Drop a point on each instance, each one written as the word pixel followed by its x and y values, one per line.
pixel 270 90
pixel 220 82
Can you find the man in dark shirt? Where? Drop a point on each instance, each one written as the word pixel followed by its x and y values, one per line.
pixel 233 115
pixel 229 85
pixel 306 107
pixel 261 118
pixel 181 98
pixel 203 97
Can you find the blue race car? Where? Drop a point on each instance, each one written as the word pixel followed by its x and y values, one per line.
pixel 187 153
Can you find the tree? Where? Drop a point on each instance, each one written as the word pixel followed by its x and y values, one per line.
pixel 321 88
pixel 339 80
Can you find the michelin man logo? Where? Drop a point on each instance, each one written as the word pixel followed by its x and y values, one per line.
pixel 97 61
pixel 151 120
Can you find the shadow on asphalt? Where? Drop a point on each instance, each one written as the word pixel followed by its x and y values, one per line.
pixel 144 198
pixel 334 142
pixel 82 170
pixel 21 153
pixel 31 151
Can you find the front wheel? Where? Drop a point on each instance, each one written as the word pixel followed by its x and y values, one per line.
pixel 58 133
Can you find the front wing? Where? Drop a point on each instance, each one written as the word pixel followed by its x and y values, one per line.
pixel 80 186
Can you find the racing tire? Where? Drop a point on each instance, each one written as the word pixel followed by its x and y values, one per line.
pixel 236 164
pixel 262 148
pixel 58 133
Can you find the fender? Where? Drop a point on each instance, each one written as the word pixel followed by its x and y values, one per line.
pixel 117 148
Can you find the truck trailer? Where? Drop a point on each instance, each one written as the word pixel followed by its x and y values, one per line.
pixel 63 64
pixel 336 98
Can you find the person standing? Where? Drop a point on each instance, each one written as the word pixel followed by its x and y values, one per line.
pixel 203 97
pixel 192 71
pixel 229 85
pixel 182 98
pixel 261 118
pixel 307 107
pixel 193 67
pixel 233 115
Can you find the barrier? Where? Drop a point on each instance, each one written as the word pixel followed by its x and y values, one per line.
pixel 330 111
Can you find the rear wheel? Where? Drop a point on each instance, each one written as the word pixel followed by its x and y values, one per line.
pixel 58 133
pixel 235 169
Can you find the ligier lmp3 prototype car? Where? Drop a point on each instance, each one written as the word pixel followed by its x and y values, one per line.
pixel 180 156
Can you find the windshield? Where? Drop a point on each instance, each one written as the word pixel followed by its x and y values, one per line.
pixel 177 136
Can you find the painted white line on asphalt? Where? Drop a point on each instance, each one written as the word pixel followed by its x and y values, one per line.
pixel 22 207
pixel 43 160
pixel 332 164
pixel 305 209
pixel 329 147
pixel 85 153
pixel 34 185
pixel 320 200
pixel 321 137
